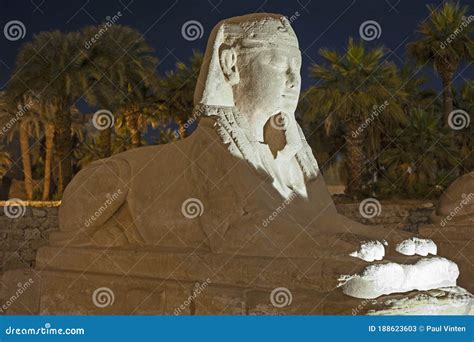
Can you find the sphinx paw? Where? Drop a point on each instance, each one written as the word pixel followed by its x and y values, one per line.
pixel 417 246
pixel 370 251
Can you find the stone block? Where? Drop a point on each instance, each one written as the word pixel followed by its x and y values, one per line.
pixel 20 292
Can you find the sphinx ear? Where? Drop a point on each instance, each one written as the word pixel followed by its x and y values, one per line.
pixel 228 61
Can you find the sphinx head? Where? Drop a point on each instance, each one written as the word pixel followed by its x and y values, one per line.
pixel 252 63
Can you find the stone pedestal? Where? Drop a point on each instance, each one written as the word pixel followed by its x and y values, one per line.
pixel 91 281
pixel 457 244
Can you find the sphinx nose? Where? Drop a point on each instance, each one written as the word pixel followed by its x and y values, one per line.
pixel 291 79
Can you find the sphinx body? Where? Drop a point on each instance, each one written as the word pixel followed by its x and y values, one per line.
pixel 245 182
pixel 456 205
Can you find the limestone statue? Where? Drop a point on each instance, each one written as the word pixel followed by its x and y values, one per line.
pixel 456 205
pixel 245 182
pixel 452 225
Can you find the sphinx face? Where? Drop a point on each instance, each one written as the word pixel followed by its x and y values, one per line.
pixel 269 84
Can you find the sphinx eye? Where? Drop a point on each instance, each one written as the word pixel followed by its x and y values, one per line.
pixel 278 63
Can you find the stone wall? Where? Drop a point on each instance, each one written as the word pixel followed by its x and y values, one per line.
pixel 23 229
pixel 405 215
pixel 21 237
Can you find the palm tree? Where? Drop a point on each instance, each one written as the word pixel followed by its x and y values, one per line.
pixel 49 148
pixel 5 162
pixel 25 122
pixel 465 137
pixel 176 91
pixel 423 151
pixel 49 66
pixel 353 89
pixel 447 40
pixel 137 111
pixel 120 77
pixel 417 95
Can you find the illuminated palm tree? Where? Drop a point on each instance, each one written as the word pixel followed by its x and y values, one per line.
pixel 176 91
pixel 353 89
pixel 447 39
pixel 119 76
pixel 49 67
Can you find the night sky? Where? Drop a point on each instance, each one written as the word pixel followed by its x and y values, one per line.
pixel 319 24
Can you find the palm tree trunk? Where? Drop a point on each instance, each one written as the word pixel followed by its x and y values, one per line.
pixel 131 119
pixel 447 79
pixel 105 143
pixel 48 160
pixel 354 160
pixel 63 143
pixel 25 157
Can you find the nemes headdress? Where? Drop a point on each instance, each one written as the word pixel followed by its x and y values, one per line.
pixel 254 31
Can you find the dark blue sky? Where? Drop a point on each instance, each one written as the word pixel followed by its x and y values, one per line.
pixel 320 24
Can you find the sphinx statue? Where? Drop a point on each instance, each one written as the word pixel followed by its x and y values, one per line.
pixel 452 223
pixel 456 204
pixel 245 182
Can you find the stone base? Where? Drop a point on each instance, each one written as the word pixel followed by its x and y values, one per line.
pixel 455 243
pixel 90 281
